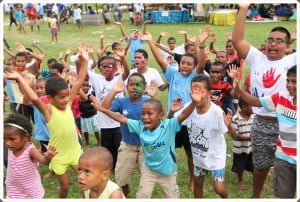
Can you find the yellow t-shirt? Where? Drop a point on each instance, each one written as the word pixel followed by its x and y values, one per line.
pixel 110 187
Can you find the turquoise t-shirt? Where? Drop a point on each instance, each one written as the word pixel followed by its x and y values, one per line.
pixel 158 145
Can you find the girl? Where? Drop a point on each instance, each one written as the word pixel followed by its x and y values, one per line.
pixel 22 178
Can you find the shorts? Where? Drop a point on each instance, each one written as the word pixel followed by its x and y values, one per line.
pixel 33 22
pixel 54 31
pixel 78 21
pixel 59 167
pixel 263 136
pixel 285 178
pixel 89 125
pixel 242 162
pixel 149 178
pixel 218 175
pixel 129 157
pixel 182 139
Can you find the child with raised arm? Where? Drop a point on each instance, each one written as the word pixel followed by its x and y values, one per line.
pixel 206 127
pixel 268 76
pixel 23 179
pixel 94 170
pixel 56 113
pixel 157 137
pixel 179 86
pixel 130 154
pixel 284 104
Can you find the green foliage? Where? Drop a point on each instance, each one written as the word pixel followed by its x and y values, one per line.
pixel 69 37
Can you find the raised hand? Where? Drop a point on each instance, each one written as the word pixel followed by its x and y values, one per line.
pixel 117 23
pixel 164 34
pixel 152 88
pixel 119 86
pixel 20 47
pixel 182 32
pixel 51 152
pixel 176 104
pixel 68 51
pixel 243 5
pixel 268 78
pixel 197 93
pixel 229 36
pixel 11 75
pixel 191 39
pixel 120 52
pixel 147 22
pixel 293 36
pixel 228 117
pixel 233 72
pixel 212 37
pixel 101 36
pixel 204 34
pixel 145 37
pixel 83 51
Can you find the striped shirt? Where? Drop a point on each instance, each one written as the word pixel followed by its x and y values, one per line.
pixel 286 112
pixel 242 127
pixel 23 179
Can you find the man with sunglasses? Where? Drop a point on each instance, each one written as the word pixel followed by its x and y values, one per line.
pixel 268 75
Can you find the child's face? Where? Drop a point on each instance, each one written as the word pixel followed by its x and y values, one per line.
pixel 61 99
pixel 14 139
pixel 187 65
pixel 108 68
pixel 140 61
pixel 190 49
pixel 172 44
pixel 247 109
pixel 229 48
pixel 89 173
pixel 40 88
pixel 291 84
pixel 20 63
pixel 134 34
pixel 85 87
pixel 205 92
pixel 216 73
pixel 276 50
pixel 135 87
pixel 221 57
pixel 151 116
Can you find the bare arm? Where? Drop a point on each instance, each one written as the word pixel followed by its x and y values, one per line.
pixel 45 158
pixel 118 87
pixel 201 49
pixel 145 26
pixel 234 134
pixel 166 49
pixel 240 44
pixel 121 28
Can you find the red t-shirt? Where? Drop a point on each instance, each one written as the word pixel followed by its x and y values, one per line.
pixel 219 91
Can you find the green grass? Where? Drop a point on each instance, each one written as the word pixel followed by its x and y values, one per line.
pixel 69 37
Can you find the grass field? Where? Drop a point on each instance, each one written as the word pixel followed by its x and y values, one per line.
pixel 69 37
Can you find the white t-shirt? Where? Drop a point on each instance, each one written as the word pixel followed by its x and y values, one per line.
pixel 77 14
pixel 102 87
pixel 206 134
pixel 268 77
pixel 151 74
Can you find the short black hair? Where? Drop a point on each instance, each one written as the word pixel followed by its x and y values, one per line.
pixel 139 75
pixel 187 45
pixel 242 103
pixel 216 63
pixel 41 80
pixel 55 84
pixel 203 79
pixel 145 54
pixel 20 120
pixel 106 58
pixel 58 66
pixel 191 55
pixel 284 31
pixel 99 155
pixel 156 103
pixel 171 38
pixel 21 54
pixel 29 49
pixel 292 70
pixel 51 60
pixel 114 45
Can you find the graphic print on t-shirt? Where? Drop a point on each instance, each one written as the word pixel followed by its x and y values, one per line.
pixel 268 78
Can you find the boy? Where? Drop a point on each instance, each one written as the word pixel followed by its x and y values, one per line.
pixel 53 25
pixel 58 112
pixel 94 171
pixel 206 128
pixel 268 75
pixel 157 140
pixel 240 132
pixel 284 104
pixel 77 16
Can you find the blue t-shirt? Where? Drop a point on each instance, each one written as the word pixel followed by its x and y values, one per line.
pixel 179 86
pixel 130 110
pixel 41 131
pixel 158 145
pixel 135 45
pixel 19 16
pixel 46 73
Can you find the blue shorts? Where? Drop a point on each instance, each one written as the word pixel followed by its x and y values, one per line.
pixel 218 175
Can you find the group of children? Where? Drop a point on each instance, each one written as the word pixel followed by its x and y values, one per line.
pixel 134 132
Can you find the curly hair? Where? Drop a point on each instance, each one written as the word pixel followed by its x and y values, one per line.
pixel 19 120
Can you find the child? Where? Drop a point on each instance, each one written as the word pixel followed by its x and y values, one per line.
pixel 52 23
pixel 88 115
pixel 77 16
pixel 157 140
pixel 284 104
pixel 94 171
pixel 138 19
pixel 23 179
pixel 12 18
pixel 240 132
pixel 130 154
pixel 20 18
pixel 268 75
pixel 206 130
pixel 59 119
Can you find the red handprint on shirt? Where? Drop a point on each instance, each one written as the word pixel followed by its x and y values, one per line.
pixel 268 78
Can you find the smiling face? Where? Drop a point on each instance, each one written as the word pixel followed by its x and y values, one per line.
pixel 151 116
pixel 187 65
pixel 40 88
pixel 229 48
pixel 135 87
pixel 61 99
pixel 276 45
pixel 291 84
pixel 14 139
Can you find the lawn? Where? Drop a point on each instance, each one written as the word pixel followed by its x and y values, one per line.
pixel 69 37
